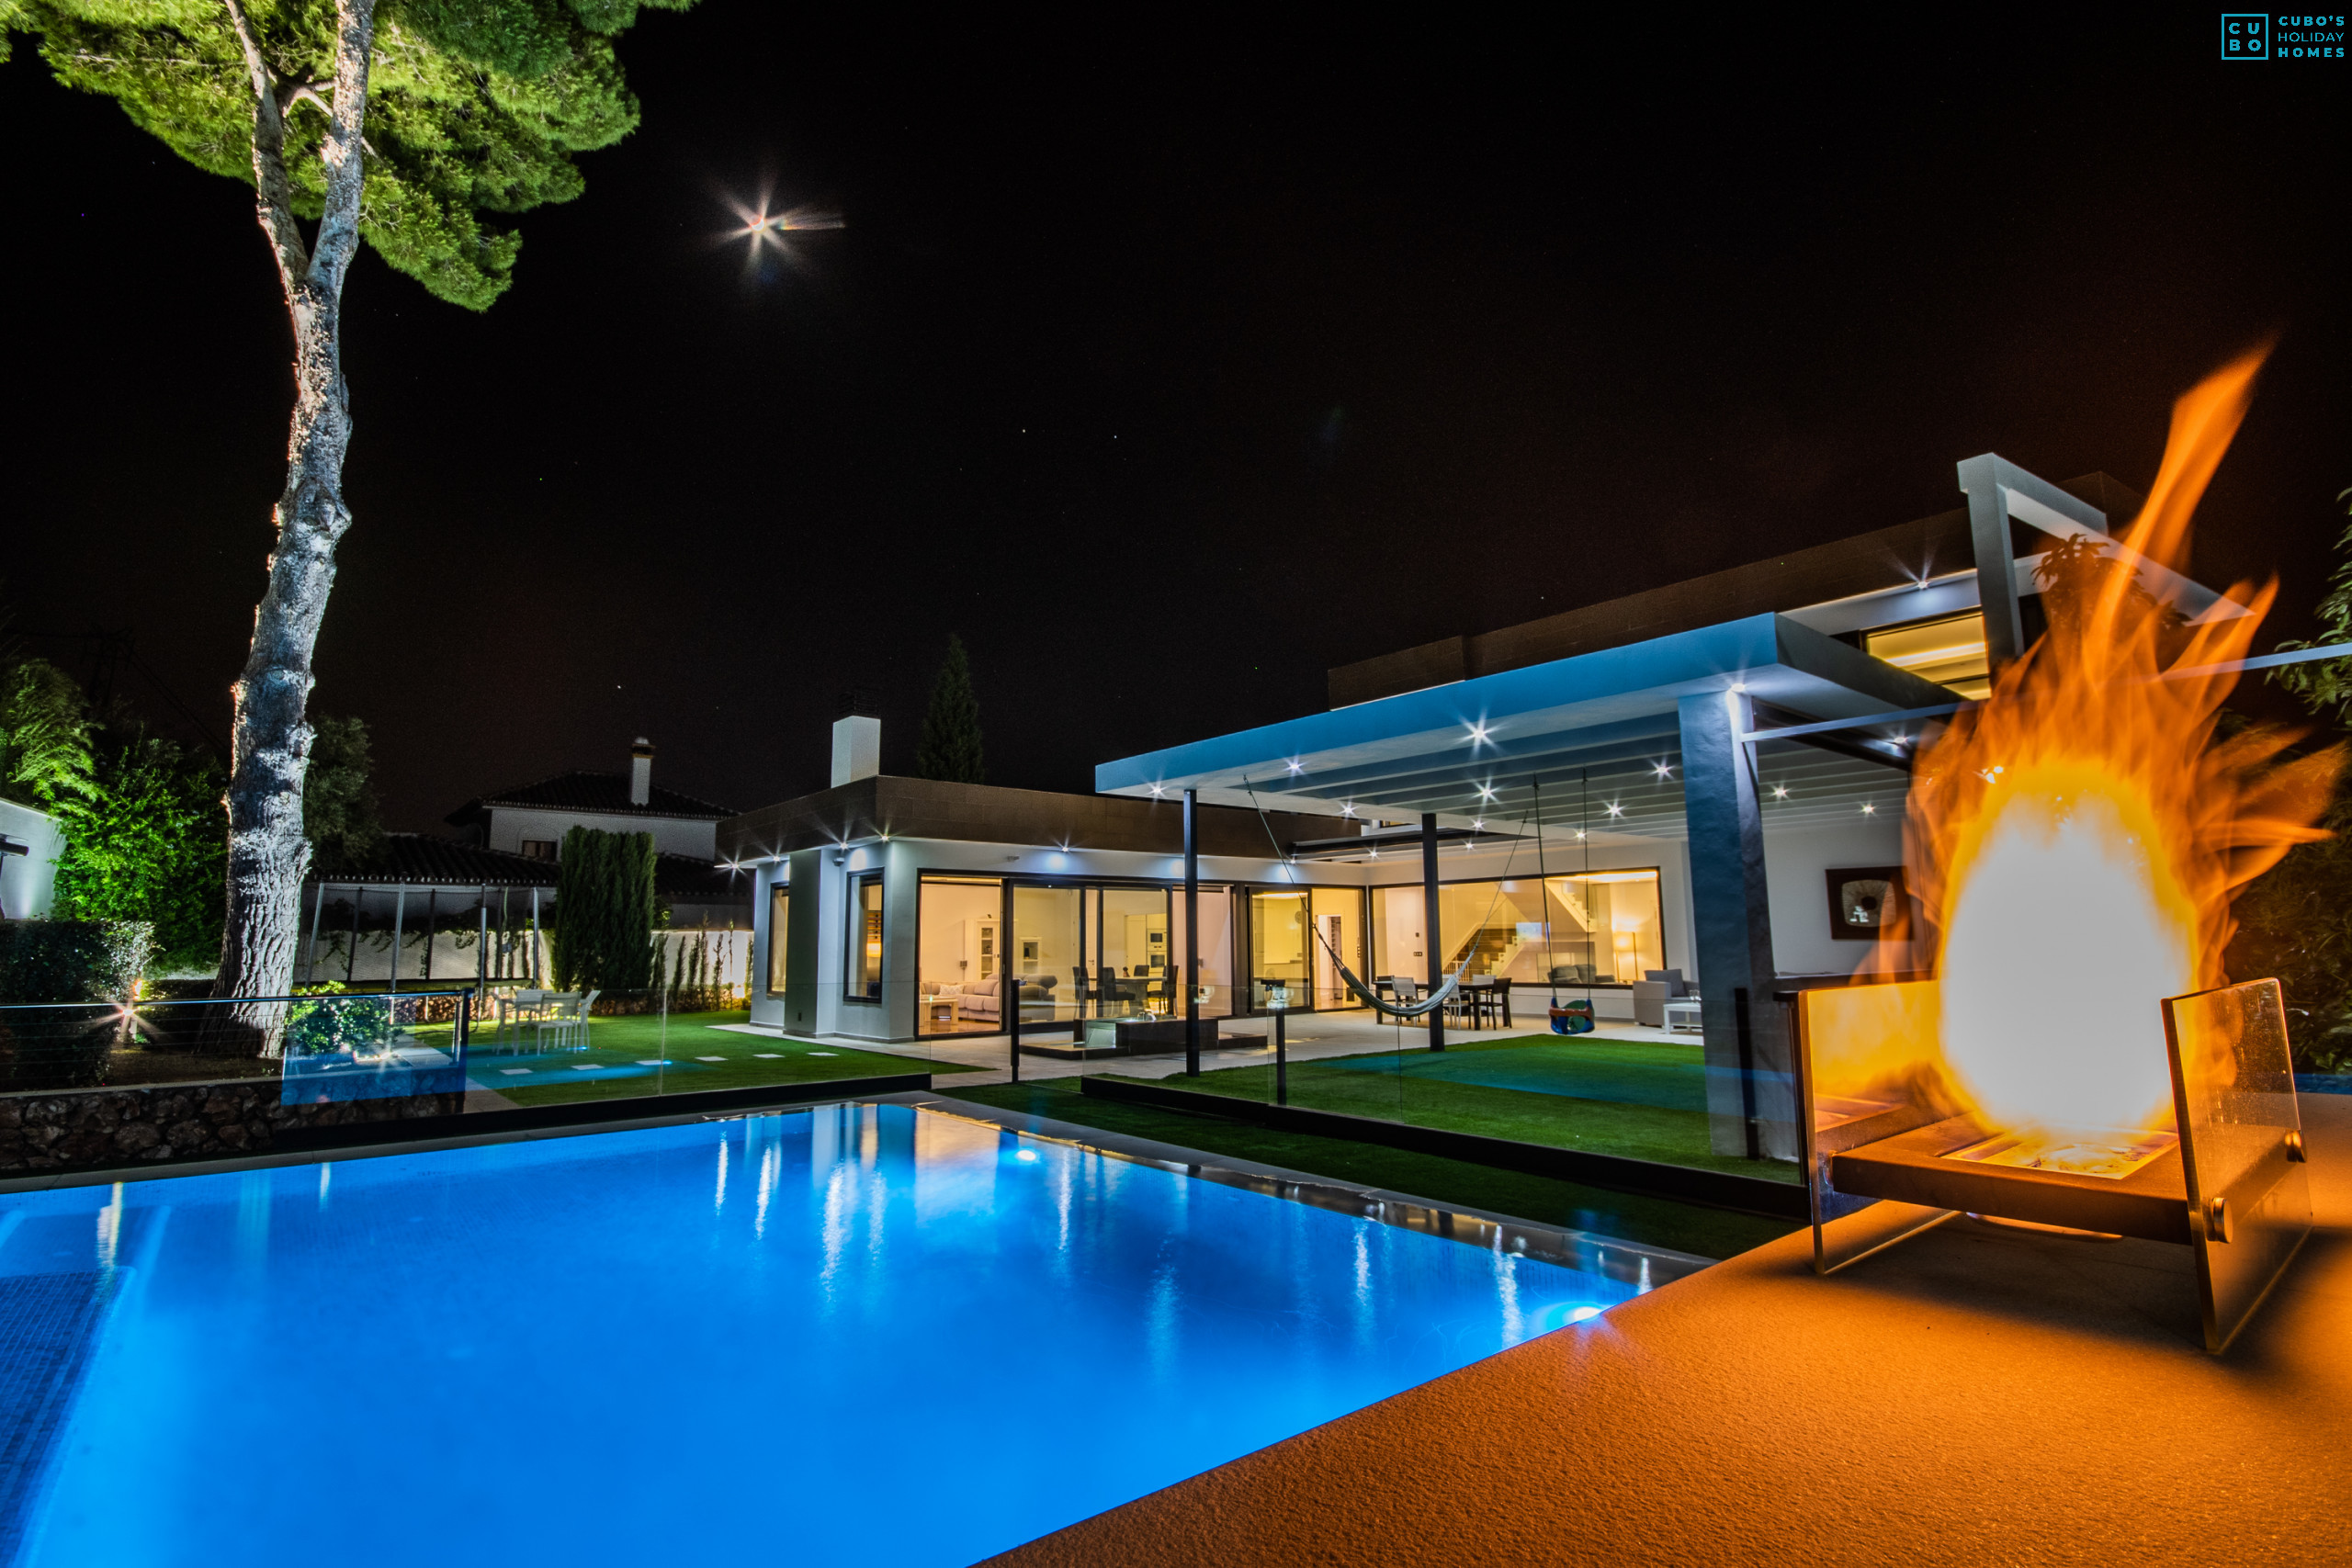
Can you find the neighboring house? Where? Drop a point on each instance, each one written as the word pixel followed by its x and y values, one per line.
pixel 531 820
pixel 30 842
pixel 477 908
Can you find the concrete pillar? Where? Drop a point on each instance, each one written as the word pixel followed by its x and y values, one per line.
pixel 1750 1099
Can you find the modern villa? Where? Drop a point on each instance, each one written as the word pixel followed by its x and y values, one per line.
pixel 1706 778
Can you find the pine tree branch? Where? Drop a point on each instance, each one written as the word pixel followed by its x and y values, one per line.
pixel 273 192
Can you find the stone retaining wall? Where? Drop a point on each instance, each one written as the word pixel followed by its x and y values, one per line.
pixel 45 1134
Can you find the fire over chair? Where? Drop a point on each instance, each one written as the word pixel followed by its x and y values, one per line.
pixel 1890 1151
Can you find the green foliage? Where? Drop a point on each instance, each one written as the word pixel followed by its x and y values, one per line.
pixel 950 746
pixel 474 106
pixel 330 1022
pixel 72 961
pixel 2292 926
pixel 2325 684
pixel 44 735
pixel 339 810
pixel 603 912
pixel 149 841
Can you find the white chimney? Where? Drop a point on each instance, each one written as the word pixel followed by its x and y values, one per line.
pixel 641 771
pixel 857 749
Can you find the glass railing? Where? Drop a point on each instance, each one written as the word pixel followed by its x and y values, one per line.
pixel 1604 1085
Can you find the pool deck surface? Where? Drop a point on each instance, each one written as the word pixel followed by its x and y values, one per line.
pixel 1975 1395
pixel 1308 1037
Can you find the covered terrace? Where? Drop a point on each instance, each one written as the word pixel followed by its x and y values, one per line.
pixel 1685 736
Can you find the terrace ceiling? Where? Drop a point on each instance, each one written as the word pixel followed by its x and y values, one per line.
pixel 1596 731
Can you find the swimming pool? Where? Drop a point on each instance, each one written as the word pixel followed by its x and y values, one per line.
pixel 859 1333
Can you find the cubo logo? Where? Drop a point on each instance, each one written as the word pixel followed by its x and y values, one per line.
pixel 2246 36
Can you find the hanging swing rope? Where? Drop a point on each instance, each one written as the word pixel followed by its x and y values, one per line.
pixel 1348 977
pixel 1576 1018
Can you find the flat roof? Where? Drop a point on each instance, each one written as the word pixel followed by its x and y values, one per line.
pixel 1480 749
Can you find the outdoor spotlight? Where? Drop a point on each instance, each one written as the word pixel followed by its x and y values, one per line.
pixel 1868 809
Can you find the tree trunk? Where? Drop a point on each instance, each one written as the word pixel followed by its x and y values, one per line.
pixel 270 739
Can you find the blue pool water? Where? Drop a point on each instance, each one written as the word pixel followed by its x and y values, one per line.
pixel 859 1334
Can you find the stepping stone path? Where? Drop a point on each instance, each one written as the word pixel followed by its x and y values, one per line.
pixel 710 1058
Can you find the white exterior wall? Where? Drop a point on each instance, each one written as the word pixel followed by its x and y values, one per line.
pixel 1794 863
pixel 29 881
pixel 509 826
pixel 903 862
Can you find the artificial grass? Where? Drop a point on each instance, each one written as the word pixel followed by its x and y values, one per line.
pixel 1661 1222
pixel 747 1061
pixel 1426 1091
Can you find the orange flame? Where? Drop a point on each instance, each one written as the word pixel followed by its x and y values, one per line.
pixel 2078 836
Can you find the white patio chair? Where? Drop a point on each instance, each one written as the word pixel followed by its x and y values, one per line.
pixel 568 1021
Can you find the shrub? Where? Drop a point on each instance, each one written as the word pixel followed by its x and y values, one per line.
pixel 65 961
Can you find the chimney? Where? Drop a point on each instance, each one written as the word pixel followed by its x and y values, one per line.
pixel 857 742
pixel 641 771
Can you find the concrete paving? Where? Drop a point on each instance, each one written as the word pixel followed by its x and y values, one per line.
pixel 1975 1396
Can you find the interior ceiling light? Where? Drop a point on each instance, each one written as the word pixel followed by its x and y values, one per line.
pixel 1780 792
pixel 1477 733
pixel 1348 809
pixel 1664 769
pixel 1297 766
pixel 1868 809
pixel 1615 809
pixel 1157 791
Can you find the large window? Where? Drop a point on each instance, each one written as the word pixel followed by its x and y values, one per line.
pixel 1279 940
pixel 1601 927
pixel 1949 652
pixel 864 966
pixel 779 927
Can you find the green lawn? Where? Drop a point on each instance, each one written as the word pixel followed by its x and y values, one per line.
pixel 613 1067
pixel 1652 1110
pixel 1661 1221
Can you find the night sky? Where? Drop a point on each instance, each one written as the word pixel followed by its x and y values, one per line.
pixel 1168 360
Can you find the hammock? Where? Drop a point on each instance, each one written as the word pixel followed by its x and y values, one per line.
pixel 1421 1008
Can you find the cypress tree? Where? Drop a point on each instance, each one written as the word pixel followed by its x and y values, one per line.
pixel 603 912
pixel 950 748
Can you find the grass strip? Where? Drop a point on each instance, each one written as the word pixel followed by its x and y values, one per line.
pixel 1668 1135
pixel 746 1061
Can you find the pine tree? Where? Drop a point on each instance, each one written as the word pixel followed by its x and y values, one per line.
pixel 419 131
pixel 950 748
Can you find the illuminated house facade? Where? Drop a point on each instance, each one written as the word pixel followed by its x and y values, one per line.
pixel 1708 777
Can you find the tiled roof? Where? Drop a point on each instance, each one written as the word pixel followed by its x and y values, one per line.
pixel 605 794
pixel 416 859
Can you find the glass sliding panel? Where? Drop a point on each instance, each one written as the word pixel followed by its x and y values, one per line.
pixel 1135 971
pixel 864 966
pixel 1606 927
pixel 779 936
pixel 1338 915
pixel 1214 973
pixel 1279 972
pixel 957 952
pixel 1049 958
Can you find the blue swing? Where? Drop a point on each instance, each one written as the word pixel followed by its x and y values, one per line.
pixel 1572 1018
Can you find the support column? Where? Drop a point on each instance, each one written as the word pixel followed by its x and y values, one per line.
pixel 1192 976
pixel 1008 984
pixel 1747 1037
pixel 311 954
pixel 1429 926
pixel 400 915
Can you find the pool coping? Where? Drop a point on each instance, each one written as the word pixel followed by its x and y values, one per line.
pixel 1488 1231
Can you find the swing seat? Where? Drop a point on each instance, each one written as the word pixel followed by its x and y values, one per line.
pixel 1576 1018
